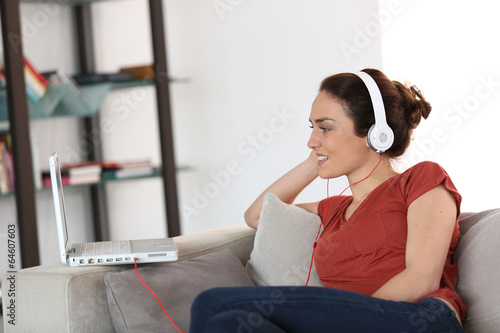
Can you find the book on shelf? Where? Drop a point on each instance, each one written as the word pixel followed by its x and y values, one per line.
pixel 83 174
pixel 125 169
pixel 3 79
pixel 8 161
pixel 126 173
pixel 92 78
pixel 46 181
pixel 58 77
pixel 28 67
pixel 95 171
pixel 4 177
pixel 36 83
pixel 130 164
pixel 76 174
pixel 6 165
pixel 140 72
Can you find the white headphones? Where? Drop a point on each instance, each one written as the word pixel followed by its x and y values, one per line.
pixel 380 135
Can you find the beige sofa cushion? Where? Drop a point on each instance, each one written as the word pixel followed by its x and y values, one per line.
pixel 283 245
pixel 134 309
pixel 478 261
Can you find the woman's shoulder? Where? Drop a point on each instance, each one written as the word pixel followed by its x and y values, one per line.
pixel 422 177
pixel 421 172
pixel 425 167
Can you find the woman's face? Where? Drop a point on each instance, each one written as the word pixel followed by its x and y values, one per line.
pixel 340 151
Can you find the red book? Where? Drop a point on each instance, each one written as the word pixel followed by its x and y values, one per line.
pixel 47 182
pixel 3 79
pixel 36 73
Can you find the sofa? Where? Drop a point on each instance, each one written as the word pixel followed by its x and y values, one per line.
pixel 112 299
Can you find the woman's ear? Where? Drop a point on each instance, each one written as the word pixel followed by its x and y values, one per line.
pixel 366 142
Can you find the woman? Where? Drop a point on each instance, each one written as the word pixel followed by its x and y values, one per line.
pixel 385 254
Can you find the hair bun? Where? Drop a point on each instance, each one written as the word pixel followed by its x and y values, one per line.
pixel 414 104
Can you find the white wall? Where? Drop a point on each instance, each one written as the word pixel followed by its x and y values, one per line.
pixel 449 49
pixel 242 120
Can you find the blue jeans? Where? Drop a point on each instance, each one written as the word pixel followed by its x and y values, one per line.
pixel 314 309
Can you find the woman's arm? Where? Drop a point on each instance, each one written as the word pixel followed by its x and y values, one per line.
pixel 287 188
pixel 431 222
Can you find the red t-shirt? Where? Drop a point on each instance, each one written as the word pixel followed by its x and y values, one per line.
pixel 366 251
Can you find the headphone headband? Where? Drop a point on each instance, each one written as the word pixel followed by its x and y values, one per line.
pixel 380 135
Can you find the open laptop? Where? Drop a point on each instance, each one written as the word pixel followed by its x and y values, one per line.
pixel 103 253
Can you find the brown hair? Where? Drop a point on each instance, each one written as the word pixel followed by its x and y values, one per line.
pixel 404 105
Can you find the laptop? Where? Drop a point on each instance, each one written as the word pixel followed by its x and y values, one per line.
pixel 103 253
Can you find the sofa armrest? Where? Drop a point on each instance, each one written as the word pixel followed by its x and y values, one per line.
pixel 60 298
pixel 237 238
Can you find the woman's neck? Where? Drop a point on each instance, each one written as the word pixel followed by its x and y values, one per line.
pixel 380 174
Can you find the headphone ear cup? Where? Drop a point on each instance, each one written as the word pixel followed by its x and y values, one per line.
pixel 369 140
pixel 380 138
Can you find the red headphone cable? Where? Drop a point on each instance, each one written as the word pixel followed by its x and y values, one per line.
pixel 157 298
pixel 324 215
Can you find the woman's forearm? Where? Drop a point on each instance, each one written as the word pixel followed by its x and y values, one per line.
pixel 287 188
pixel 407 286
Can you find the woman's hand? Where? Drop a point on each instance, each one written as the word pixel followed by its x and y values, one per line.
pixel 312 162
pixel 287 188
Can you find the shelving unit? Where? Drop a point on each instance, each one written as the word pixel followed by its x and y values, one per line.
pixel 19 112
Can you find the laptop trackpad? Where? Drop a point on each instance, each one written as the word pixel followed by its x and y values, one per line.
pixel 153 245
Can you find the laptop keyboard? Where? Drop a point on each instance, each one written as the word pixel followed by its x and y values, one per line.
pixel 109 247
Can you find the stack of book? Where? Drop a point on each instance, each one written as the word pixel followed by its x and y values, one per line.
pixel 36 83
pixel 94 172
pixel 120 170
pixel 83 173
pixel 76 174
pixel 6 165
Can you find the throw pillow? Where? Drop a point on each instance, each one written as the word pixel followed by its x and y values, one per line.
pixel 134 309
pixel 283 245
pixel 478 262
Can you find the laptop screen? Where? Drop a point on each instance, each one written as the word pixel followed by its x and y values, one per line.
pixel 57 193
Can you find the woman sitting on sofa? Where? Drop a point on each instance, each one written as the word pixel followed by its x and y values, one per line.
pixel 385 252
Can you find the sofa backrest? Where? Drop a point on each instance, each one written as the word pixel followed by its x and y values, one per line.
pixel 478 261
